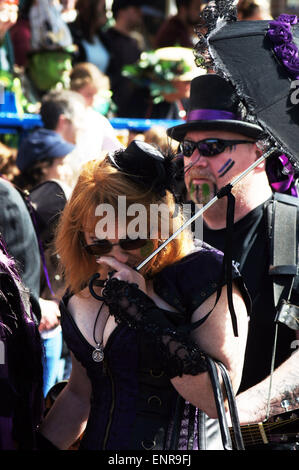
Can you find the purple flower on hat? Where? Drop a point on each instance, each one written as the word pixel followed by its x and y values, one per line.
pixel 286 52
pixel 285 183
pixel 280 32
pixel 293 66
pixel 291 19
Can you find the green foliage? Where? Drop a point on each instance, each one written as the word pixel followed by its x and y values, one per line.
pixel 13 84
pixel 155 73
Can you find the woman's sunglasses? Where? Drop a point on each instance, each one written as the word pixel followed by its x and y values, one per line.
pixel 209 147
pixel 102 247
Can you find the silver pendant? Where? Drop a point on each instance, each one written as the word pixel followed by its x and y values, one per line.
pixel 98 353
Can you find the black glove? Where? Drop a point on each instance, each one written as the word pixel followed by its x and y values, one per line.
pixel 128 304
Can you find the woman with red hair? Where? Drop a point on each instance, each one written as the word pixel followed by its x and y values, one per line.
pixel 139 338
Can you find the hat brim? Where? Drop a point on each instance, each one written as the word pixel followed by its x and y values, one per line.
pixel 244 128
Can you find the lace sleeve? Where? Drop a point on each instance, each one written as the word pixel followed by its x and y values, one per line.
pixel 179 353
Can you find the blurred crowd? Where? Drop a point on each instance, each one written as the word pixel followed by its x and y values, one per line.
pixel 127 58
pixel 42 40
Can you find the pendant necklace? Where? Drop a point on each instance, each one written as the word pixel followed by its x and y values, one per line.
pixel 98 352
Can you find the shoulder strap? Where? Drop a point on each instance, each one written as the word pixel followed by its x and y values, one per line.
pixel 283 217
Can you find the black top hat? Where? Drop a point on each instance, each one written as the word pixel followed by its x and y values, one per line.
pixel 214 105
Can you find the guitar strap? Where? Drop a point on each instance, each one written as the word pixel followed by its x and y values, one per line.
pixel 283 227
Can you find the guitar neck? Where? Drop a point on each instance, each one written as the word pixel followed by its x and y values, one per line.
pixel 278 428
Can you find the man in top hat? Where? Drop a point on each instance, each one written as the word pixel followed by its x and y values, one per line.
pixel 218 143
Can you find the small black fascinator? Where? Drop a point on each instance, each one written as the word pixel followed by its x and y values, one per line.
pixel 146 165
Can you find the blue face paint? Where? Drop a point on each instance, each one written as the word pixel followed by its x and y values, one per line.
pixel 226 167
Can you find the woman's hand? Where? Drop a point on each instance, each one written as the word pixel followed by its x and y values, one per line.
pixel 50 314
pixel 123 272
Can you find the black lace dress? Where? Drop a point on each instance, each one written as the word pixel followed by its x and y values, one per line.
pixel 134 405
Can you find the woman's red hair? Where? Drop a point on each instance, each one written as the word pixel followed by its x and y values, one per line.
pixel 101 183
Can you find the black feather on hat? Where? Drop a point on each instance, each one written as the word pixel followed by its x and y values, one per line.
pixel 145 165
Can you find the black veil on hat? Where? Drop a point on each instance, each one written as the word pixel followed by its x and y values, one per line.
pixel 261 60
pixel 146 165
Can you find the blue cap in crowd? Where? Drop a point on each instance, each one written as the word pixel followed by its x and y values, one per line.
pixel 40 144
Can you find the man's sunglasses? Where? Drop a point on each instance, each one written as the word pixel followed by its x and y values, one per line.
pixel 209 147
pixel 102 247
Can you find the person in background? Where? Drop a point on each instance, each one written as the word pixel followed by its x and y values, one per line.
pixel 87 34
pixel 21 34
pixel 21 395
pixel 253 10
pixel 50 56
pixel 124 50
pixel 162 83
pixel 178 30
pixel 18 232
pixel 21 309
pixel 16 225
pixel 99 136
pixel 8 17
pixel 157 136
pixel 44 160
pixel 153 16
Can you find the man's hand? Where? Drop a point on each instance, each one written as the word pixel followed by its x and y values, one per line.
pixel 253 403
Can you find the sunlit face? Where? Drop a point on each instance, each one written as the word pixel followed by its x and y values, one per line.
pixel 73 127
pixel 89 93
pixel 204 176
